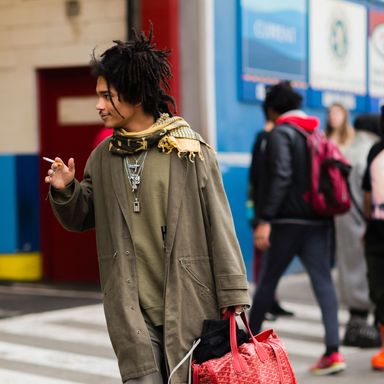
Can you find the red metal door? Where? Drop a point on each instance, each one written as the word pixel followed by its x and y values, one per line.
pixel 66 130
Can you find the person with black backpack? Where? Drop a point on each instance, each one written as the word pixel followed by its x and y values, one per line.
pixel 289 223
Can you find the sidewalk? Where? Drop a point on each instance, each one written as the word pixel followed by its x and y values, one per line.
pixel 17 299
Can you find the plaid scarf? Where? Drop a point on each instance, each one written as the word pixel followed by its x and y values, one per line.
pixel 167 133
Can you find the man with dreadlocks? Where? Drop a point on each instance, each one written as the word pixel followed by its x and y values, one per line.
pixel 167 250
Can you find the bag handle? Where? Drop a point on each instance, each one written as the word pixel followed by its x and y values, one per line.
pixel 238 361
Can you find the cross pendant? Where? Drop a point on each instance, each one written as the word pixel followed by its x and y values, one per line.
pixel 133 166
pixel 136 206
pixel 135 181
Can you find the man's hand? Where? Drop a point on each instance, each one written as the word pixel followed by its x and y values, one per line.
pixel 238 309
pixel 60 175
pixel 261 236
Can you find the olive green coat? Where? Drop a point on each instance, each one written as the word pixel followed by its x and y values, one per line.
pixel 204 269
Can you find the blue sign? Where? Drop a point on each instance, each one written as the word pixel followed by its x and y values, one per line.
pixel 273 45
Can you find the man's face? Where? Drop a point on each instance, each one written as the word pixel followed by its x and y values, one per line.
pixel 114 115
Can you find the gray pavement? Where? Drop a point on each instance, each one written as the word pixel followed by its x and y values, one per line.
pixel 295 290
pixel 57 335
pixel 17 298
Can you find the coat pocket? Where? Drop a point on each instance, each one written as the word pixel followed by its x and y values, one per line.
pixel 198 270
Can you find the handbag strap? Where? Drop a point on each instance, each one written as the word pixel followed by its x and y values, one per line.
pixel 280 367
pixel 238 361
pixel 279 356
pixel 195 374
pixel 263 356
pixel 276 347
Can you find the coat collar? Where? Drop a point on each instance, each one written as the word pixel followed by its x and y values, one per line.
pixel 119 183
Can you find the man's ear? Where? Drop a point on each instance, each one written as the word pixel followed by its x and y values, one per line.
pixel 272 114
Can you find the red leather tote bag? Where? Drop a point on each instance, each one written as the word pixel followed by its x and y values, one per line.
pixel 262 360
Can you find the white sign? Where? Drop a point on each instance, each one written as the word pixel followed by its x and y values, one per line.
pixel 78 110
pixel 376 54
pixel 338 46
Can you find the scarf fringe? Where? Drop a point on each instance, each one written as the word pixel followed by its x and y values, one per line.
pixel 183 146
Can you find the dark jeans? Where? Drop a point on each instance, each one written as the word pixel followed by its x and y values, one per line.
pixel 375 267
pixel 312 243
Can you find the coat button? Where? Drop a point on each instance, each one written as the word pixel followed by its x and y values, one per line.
pixel 129 281
pixel 127 252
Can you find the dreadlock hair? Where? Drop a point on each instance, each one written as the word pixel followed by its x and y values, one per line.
pixel 138 71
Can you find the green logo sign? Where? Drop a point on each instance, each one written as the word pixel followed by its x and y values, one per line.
pixel 339 39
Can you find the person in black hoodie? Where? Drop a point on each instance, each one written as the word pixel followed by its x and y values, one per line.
pixel 288 225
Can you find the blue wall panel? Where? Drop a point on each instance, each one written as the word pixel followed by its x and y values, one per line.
pixel 236 121
pixel 28 203
pixel 235 181
pixel 8 203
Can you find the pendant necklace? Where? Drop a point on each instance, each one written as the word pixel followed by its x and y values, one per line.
pixel 134 173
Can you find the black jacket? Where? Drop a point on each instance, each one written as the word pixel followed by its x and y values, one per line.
pixel 257 173
pixel 287 176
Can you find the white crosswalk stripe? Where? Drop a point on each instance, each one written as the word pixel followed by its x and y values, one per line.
pixel 55 358
pixel 303 334
pixel 10 377
pixel 58 359
pixel 72 346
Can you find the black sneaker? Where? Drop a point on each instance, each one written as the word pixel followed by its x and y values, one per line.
pixel 360 334
pixel 278 310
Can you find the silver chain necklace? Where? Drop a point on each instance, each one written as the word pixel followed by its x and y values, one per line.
pixel 134 173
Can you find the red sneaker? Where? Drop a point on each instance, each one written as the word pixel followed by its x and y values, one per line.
pixel 377 360
pixel 328 365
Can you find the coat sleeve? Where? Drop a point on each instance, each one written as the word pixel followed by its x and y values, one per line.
pixel 228 265
pixel 73 206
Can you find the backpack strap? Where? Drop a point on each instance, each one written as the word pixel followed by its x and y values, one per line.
pixel 356 205
pixel 297 128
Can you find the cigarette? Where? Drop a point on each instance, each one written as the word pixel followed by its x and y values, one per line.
pixel 48 159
